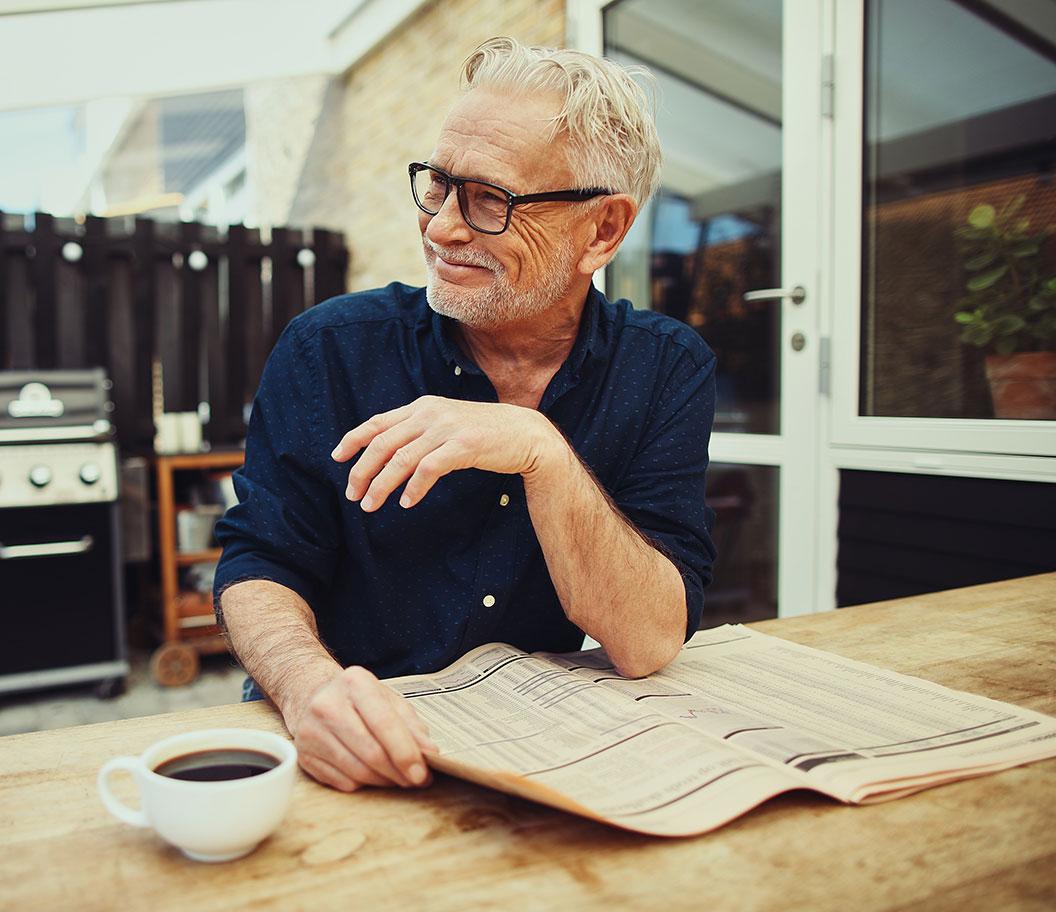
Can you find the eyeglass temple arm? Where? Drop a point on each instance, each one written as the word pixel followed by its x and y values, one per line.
pixel 559 196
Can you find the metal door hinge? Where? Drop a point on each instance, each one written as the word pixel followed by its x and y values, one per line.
pixel 824 366
pixel 828 85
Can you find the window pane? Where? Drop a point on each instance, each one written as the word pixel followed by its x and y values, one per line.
pixel 713 232
pixel 744 498
pixel 959 262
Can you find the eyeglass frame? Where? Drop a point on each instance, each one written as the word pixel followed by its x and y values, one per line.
pixel 512 199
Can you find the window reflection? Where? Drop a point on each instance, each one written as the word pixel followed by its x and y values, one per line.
pixel 713 232
pixel 744 498
pixel 959 259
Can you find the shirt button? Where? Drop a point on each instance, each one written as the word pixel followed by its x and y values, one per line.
pixel 504 500
pixel 489 601
pixel 458 371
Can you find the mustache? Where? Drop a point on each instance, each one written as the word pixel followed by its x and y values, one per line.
pixel 466 256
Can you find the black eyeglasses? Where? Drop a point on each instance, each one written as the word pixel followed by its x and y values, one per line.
pixel 485 207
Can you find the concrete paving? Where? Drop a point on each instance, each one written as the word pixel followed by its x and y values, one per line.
pixel 219 682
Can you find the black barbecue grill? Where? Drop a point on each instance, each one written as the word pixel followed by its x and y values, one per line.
pixel 60 562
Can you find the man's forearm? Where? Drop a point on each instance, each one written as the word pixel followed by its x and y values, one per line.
pixel 612 583
pixel 273 633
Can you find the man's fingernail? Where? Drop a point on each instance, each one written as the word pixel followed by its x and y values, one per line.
pixel 405 501
pixel 417 773
pixel 350 493
pixel 333 455
pixel 367 502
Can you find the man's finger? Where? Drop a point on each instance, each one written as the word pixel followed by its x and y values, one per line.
pixel 379 454
pixel 363 433
pixel 431 468
pixel 325 746
pixel 391 731
pixel 418 728
pixel 323 772
pixel 397 470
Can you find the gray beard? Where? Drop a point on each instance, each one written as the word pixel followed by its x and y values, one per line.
pixel 500 302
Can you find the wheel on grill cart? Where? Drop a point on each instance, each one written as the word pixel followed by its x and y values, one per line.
pixel 174 664
pixel 109 688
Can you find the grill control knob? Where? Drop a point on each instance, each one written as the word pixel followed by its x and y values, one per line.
pixel 40 476
pixel 90 473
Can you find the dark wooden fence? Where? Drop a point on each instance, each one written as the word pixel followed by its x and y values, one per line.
pixel 126 294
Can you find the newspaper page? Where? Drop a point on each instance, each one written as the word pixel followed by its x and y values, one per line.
pixel 851 730
pixel 521 724
pixel 737 718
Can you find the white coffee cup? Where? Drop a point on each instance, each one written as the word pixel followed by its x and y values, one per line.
pixel 207 821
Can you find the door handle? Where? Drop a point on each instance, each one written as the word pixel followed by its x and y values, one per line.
pixel 46 549
pixel 797 294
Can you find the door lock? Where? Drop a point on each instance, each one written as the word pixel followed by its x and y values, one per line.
pixel 799 341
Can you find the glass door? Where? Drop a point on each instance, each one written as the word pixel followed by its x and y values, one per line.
pixel 729 246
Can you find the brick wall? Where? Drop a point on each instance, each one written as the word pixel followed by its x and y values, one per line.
pixel 349 169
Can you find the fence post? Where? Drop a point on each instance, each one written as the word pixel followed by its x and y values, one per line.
pixel 42 272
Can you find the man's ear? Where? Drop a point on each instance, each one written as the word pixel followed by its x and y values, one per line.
pixel 610 222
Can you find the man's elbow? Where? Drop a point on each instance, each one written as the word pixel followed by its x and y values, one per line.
pixel 644 659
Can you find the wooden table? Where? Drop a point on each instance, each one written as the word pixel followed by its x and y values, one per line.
pixel 988 843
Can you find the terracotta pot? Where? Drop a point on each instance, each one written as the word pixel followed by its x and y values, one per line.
pixel 1023 385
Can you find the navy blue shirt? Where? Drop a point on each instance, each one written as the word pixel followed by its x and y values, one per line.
pixel 404 591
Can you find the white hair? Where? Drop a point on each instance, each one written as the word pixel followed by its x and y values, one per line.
pixel 606 114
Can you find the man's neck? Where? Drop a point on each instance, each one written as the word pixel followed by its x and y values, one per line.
pixel 521 358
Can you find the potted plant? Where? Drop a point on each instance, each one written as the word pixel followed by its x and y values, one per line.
pixel 1009 308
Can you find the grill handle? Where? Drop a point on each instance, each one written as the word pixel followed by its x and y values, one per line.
pixel 46 549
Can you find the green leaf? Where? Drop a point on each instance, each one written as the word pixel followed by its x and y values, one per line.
pixel 1038 304
pixel 978 262
pixel 977 334
pixel 967 232
pixel 964 317
pixel 1009 324
pixel 984 281
pixel 982 216
pixel 1028 249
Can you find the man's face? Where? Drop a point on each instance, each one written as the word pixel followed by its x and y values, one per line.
pixel 489 280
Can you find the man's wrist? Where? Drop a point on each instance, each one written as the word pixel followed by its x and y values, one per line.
pixel 295 693
pixel 550 453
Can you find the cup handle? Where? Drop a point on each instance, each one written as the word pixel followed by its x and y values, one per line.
pixel 118 809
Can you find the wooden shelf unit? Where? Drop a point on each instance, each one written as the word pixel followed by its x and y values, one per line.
pixel 189 627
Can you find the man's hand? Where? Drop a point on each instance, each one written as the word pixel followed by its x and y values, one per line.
pixel 355 731
pixel 432 436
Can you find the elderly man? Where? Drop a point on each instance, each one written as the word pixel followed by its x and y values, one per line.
pixel 503 455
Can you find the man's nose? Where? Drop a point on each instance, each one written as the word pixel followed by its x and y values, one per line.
pixel 448 225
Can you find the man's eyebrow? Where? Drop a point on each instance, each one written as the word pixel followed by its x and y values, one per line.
pixel 477 177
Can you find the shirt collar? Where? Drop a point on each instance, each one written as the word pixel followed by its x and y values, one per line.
pixel 588 347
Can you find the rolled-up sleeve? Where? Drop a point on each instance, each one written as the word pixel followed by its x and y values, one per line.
pixel 663 491
pixel 286 526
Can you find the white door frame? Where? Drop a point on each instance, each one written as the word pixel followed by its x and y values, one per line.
pixel 806 535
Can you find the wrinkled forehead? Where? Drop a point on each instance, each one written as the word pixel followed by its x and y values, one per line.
pixel 505 137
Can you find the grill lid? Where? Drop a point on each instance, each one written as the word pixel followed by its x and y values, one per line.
pixel 54 404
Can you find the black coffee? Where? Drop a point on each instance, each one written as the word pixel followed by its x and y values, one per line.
pixel 218 765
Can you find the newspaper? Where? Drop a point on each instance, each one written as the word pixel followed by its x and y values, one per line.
pixel 737 718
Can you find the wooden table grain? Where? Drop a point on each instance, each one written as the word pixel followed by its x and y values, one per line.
pixel 987 843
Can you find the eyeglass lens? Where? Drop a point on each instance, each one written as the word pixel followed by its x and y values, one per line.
pixel 484 207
